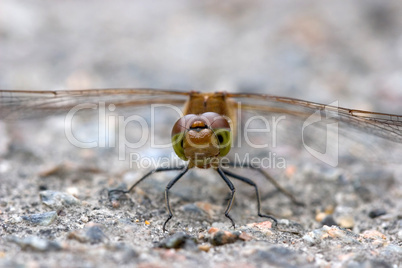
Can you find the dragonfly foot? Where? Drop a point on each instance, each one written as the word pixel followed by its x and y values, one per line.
pixel 164 225
pixel 274 220
pixel 232 221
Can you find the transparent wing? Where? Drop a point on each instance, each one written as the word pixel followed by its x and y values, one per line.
pixel 26 104
pixel 20 104
pixel 388 126
pixel 115 135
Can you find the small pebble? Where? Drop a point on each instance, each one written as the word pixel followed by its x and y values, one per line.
pixel 84 219
pixel 320 216
pixel 90 234
pixel 15 219
pixel 73 191
pixel 212 230
pixel 399 235
pixel 319 235
pixel 329 209
pixel 178 240
pixel 57 200
pixel 115 203
pixel 204 247
pixel 329 221
pixel 376 238
pixel 346 222
pixel 201 236
pixel 264 227
pixel 245 236
pixel 220 237
pixel 377 213
pixel 35 243
pixel 313 237
pixel 42 219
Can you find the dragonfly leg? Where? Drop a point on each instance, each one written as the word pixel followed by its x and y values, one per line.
pixel 170 185
pixel 271 180
pixel 115 194
pixel 250 182
pixel 233 190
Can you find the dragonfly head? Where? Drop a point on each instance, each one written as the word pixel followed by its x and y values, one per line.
pixel 201 139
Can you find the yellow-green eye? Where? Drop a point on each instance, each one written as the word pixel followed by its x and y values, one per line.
pixel 177 142
pixel 225 140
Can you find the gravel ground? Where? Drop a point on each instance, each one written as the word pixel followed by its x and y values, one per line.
pixel 54 208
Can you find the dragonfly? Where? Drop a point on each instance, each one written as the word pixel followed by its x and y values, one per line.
pixel 205 134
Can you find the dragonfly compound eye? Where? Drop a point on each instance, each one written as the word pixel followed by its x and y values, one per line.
pixel 225 140
pixel 178 133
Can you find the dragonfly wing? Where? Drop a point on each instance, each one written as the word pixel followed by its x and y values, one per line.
pixel 22 104
pixel 387 126
pixel 296 126
pixel 132 129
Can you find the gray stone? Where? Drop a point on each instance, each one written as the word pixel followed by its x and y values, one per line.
pixel 43 219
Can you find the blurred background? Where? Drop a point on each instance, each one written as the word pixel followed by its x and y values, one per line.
pixel 321 51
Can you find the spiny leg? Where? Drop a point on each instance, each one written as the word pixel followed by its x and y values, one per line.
pixel 113 192
pixel 271 179
pixel 232 189
pixel 250 182
pixel 170 185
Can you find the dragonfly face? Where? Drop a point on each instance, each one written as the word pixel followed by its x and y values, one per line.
pixel 202 139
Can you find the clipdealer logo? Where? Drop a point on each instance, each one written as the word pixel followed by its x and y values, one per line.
pixel 330 154
pixel 109 124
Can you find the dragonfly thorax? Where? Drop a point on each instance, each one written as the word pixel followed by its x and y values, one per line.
pixel 202 139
